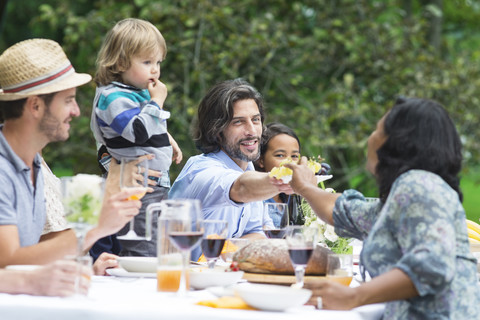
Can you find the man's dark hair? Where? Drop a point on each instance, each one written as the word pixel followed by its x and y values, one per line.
pixel 216 111
pixel 10 110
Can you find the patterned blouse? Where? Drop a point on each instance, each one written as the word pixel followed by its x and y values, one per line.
pixel 421 230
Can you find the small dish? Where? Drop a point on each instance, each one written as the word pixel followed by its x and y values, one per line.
pixel 202 278
pixel 272 297
pixel 138 264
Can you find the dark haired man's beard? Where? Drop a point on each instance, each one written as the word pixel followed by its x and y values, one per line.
pixel 234 152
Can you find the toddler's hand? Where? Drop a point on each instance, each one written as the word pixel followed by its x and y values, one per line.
pixel 158 91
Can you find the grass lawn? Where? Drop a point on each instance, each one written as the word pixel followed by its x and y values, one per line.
pixel 471 197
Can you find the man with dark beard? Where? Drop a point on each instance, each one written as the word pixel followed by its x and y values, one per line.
pixel 37 103
pixel 228 131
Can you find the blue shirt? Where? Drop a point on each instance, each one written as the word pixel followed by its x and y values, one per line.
pixel 21 203
pixel 421 230
pixel 209 178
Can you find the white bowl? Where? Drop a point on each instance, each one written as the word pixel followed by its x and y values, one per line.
pixel 138 264
pixel 202 278
pixel 272 297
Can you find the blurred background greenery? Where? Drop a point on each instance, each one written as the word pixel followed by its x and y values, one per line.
pixel 327 68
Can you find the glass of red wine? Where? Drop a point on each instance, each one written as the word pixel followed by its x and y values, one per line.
pixel 216 232
pixel 275 219
pixel 185 230
pixel 301 242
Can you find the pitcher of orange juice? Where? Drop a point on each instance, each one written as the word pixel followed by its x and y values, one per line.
pixel 169 265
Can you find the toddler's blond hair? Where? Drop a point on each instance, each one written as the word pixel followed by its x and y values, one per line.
pixel 128 38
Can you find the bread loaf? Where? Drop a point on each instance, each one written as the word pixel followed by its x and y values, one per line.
pixel 271 256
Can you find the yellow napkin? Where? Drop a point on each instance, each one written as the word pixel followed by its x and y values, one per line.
pixel 226 302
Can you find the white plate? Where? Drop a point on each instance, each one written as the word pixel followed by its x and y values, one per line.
pixel 120 272
pixel 22 267
pixel 272 297
pixel 138 264
pixel 202 278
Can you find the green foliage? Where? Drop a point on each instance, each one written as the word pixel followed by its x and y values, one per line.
pixel 341 246
pixel 329 69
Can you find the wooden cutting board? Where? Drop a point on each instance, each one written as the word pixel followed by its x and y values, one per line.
pixel 275 278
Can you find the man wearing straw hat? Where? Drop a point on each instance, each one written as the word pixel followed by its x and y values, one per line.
pixel 37 104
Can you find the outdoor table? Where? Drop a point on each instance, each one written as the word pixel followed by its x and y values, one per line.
pixel 120 298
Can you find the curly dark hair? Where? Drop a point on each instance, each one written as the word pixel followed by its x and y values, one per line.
pixel 420 135
pixel 216 111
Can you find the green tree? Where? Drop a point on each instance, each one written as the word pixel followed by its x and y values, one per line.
pixel 329 69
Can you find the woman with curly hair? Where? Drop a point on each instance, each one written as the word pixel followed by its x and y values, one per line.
pixel 415 242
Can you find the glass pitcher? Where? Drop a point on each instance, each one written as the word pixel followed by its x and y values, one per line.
pixel 172 214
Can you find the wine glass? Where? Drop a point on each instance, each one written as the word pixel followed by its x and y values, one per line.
pixel 82 198
pixel 185 230
pixel 301 242
pixel 134 174
pixel 275 219
pixel 340 268
pixel 216 232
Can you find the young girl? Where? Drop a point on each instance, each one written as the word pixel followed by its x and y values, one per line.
pixel 280 142
pixel 128 116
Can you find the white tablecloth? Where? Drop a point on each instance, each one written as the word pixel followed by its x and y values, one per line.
pixel 137 299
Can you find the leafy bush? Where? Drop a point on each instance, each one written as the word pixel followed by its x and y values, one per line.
pixel 328 69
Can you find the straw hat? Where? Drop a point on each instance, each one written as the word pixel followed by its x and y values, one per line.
pixel 36 66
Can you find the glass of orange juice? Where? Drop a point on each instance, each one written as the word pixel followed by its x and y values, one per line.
pixel 169 271
pixel 134 174
pixel 340 268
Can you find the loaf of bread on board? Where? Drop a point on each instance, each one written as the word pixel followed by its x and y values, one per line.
pixel 271 256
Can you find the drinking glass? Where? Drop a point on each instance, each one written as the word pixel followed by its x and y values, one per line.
pixel 340 268
pixel 301 242
pixel 134 174
pixel 83 276
pixel 185 230
pixel 82 198
pixel 216 232
pixel 275 219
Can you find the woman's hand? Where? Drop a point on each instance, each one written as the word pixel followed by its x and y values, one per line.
pixel 113 178
pixel 334 295
pixel 105 261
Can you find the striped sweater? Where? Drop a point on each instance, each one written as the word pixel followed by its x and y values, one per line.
pixel 130 124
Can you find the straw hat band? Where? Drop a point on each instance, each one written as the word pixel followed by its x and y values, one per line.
pixel 42 81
